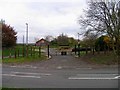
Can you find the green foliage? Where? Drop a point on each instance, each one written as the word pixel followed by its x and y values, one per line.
pixel 100 44
pixel 8 36
pixel 63 40
pixel 24 59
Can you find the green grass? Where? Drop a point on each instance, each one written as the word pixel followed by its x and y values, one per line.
pixel 106 59
pixel 24 59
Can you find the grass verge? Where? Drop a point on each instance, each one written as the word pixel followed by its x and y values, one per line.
pixel 105 59
pixel 23 59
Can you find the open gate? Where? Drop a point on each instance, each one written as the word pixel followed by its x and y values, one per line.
pixel 61 50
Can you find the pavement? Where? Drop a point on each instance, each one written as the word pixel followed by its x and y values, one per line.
pixel 60 71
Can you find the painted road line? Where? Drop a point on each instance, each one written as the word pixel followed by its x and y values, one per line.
pixel 13 75
pixel 89 78
pixel 95 76
pixel 27 73
pixel 117 77
pixel 26 66
pixel 83 68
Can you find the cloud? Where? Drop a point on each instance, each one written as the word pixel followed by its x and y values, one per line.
pixel 44 17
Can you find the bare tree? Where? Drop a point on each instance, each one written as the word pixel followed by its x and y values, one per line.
pixel 49 38
pixel 103 18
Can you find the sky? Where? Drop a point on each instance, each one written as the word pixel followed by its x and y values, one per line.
pixel 44 17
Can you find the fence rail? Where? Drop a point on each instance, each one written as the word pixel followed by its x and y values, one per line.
pixel 21 52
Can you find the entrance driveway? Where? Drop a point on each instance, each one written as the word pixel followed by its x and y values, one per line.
pixel 58 61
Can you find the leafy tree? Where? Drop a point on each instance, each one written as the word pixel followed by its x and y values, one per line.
pixel 62 40
pixel 49 38
pixel 89 40
pixel 72 41
pixel 54 42
pixel 103 18
pixel 100 44
pixel 8 36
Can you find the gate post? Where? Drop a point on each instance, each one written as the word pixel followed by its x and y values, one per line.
pixel 78 50
pixel 15 52
pixel 75 49
pixel 48 51
pixel 31 51
pixel 39 51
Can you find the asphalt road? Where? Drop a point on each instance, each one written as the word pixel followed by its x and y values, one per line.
pixel 59 72
pixel 77 78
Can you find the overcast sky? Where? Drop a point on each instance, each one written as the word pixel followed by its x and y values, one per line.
pixel 44 17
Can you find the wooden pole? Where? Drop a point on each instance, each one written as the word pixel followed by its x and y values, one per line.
pixel 15 52
pixel 48 51
pixel 18 52
pixel 78 50
pixel 2 54
pixel 31 51
pixel 10 53
pixel 39 51
pixel 75 49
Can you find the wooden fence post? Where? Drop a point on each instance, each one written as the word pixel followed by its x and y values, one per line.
pixel 86 50
pixel 2 54
pixel 31 51
pixel 23 52
pixel 48 51
pixel 34 51
pixel 18 52
pixel 15 52
pixel 93 50
pixel 75 49
pixel 10 53
pixel 27 51
pixel 39 51
pixel 78 50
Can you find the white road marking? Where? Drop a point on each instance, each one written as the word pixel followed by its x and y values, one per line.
pixel 26 74
pixel 94 77
pixel 88 78
pixel 117 77
pixel 83 68
pixel 97 74
pixel 13 75
pixel 46 74
pixel 59 67
pixel 26 66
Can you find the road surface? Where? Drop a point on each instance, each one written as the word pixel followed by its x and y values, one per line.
pixel 60 72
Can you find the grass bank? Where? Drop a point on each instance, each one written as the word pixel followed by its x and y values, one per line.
pixel 24 59
pixel 102 59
